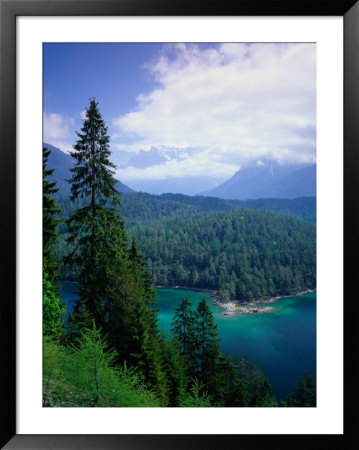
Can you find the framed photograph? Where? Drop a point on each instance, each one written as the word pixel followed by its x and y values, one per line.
pixel 187 316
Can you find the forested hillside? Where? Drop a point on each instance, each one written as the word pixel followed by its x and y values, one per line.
pixel 140 207
pixel 244 254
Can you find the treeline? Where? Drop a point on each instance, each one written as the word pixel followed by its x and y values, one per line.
pixel 140 207
pixel 245 254
pixel 301 207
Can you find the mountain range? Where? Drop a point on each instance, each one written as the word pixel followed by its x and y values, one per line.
pixel 264 178
pixel 268 179
pixel 62 163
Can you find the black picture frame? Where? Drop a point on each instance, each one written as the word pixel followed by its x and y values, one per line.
pixel 9 10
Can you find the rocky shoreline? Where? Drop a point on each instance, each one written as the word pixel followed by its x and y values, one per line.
pixel 235 307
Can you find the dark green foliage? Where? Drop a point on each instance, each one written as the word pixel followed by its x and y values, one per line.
pixel 304 393
pixel 183 324
pixel 175 379
pixel 130 320
pixel 97 245
pixel 140 207
pixel 96 230
pixel 114 286
pixel 80 319
pixel 213 378
pixel 138 267
pixel 247 255
pixel 206 345
pixel 53 307
pixel 260 389
pixel 232 389
pixel 182 327
pixel 49 220
pixel 93 171
pixel 301 207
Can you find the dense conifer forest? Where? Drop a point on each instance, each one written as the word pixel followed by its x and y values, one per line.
pixel 245 254
pixel 140 207
pixel 110 352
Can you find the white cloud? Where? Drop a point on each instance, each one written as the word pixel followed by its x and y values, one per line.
pixel 238 101
pixel 57 126
pixel 64 146
pixel 59 131
pixel 194 165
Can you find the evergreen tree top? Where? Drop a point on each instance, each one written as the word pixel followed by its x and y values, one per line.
pixel 93 171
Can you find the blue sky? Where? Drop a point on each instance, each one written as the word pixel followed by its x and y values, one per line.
pixel 219 105
pixel 112 73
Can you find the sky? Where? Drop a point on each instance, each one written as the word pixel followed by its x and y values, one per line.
pixel 211 108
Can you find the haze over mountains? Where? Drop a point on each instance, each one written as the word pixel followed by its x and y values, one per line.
pixel 268 179
pixel 263 178
pixel 158 181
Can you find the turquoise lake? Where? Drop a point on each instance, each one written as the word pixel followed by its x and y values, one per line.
pixel 282 341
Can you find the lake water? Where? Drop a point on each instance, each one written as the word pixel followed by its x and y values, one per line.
pixel 282 341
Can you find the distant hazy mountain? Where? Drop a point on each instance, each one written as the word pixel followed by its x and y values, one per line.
pixel 184 185
pixel 62 162
pixel 142 159
pixel 159 156
pixel 268 179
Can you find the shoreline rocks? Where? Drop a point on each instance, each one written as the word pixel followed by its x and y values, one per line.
pixel 235 307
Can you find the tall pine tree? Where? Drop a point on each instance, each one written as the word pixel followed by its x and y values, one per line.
pixel 97 229
pixel 114 286
pixel 183 331
pixel 130 319
pixel 182 326
pixel 207 345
